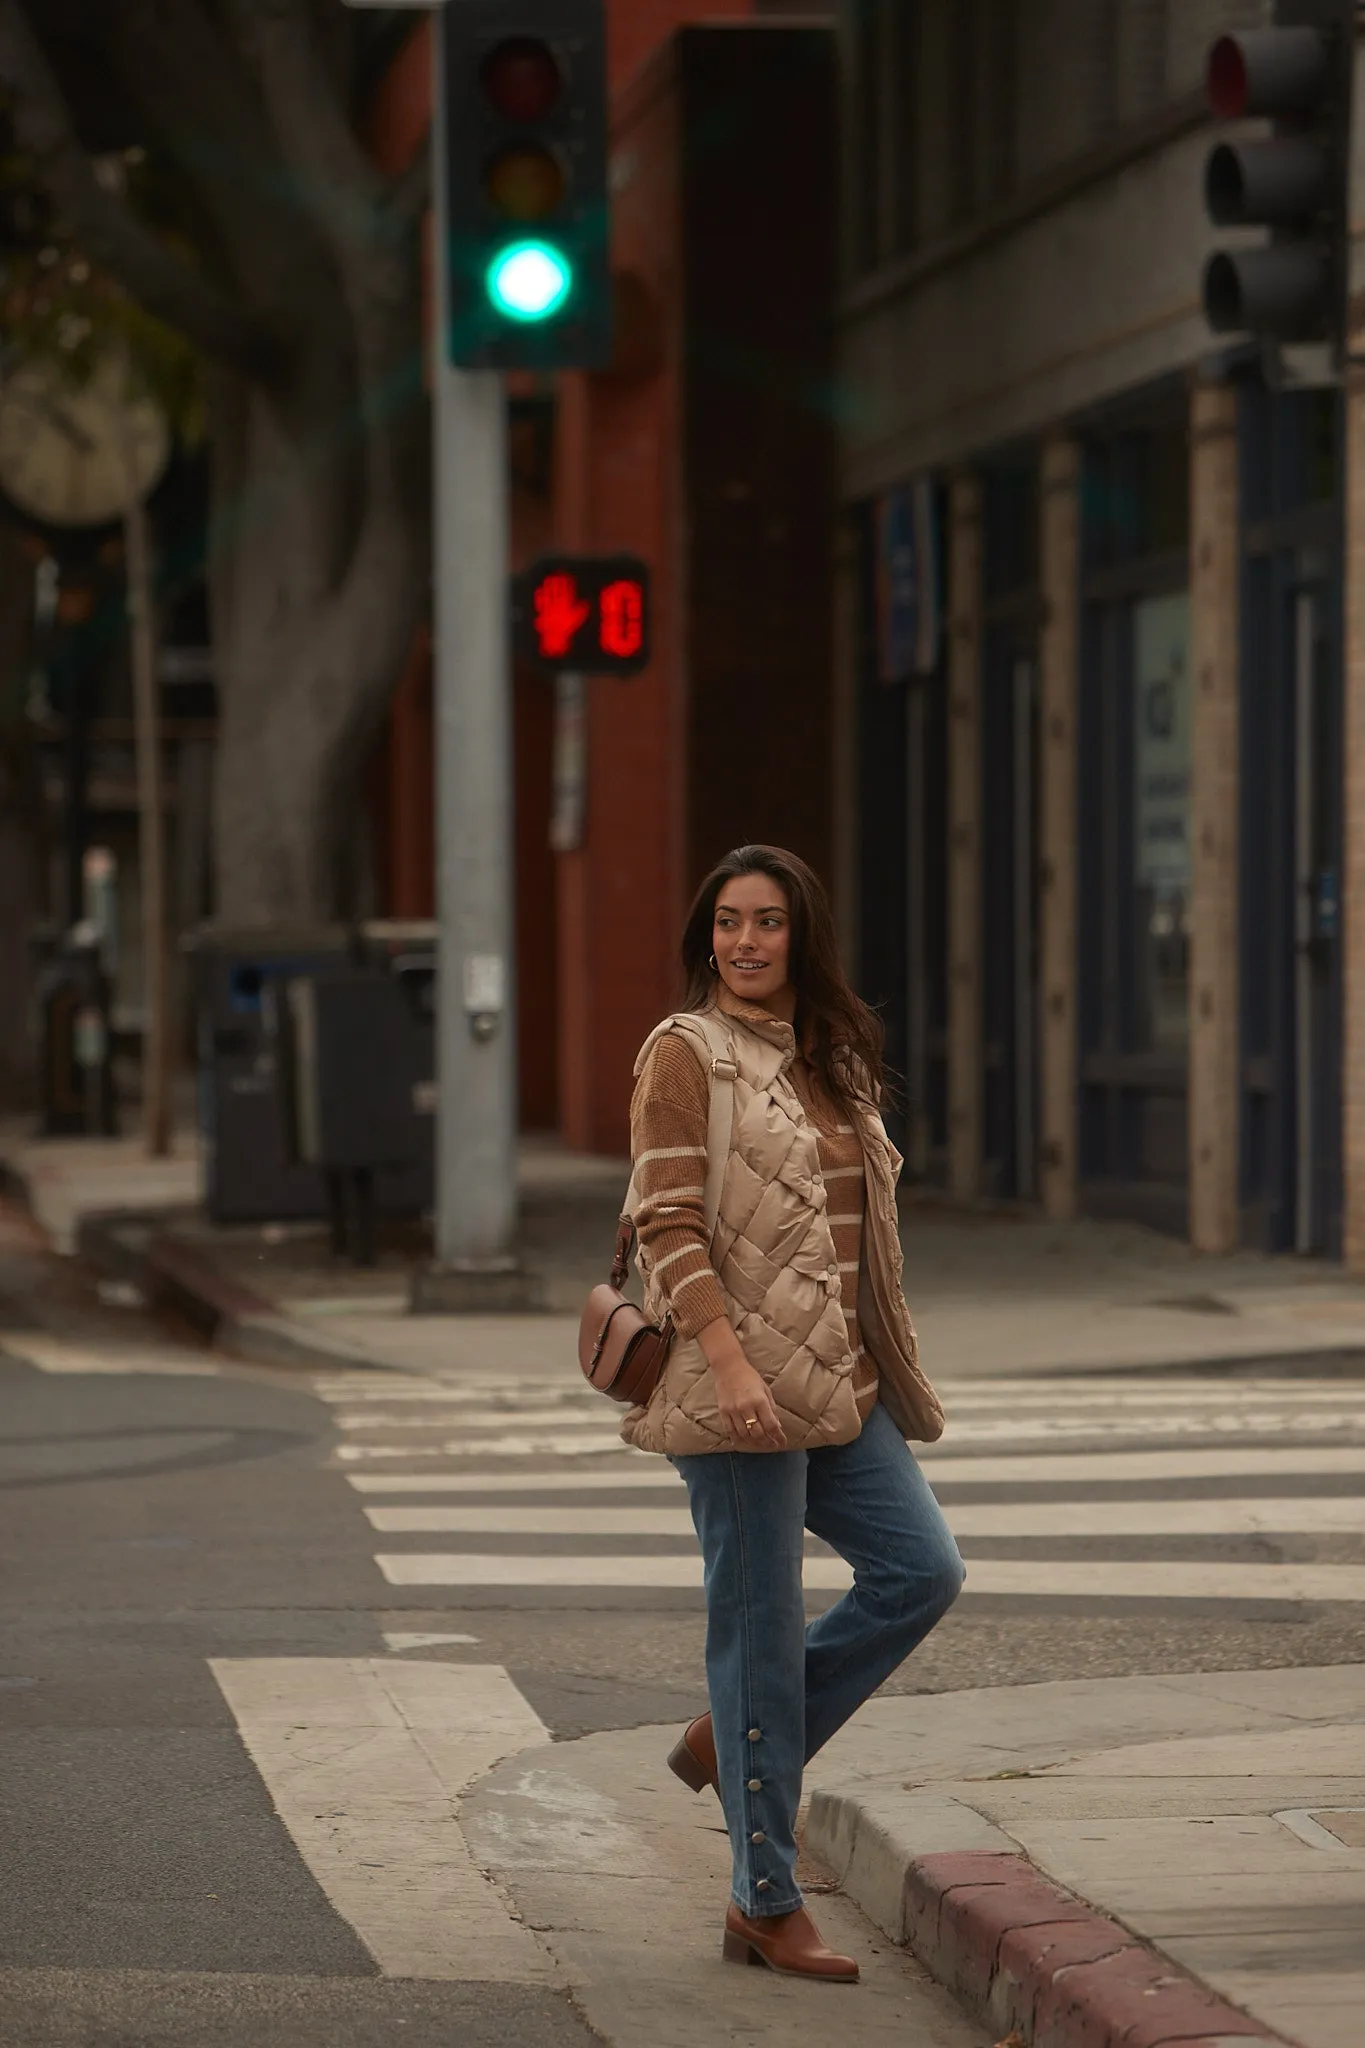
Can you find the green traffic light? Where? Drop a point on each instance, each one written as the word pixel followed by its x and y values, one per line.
pixel 529 281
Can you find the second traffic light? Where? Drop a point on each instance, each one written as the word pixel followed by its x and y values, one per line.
pixel 1293 180
pixel 526 183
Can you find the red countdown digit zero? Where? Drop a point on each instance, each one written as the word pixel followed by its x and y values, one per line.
pixel 621 616
pixel 584 614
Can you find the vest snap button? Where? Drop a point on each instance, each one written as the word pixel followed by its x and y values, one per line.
pixel 758 1836
pixel 755 1784
pixel 755 1734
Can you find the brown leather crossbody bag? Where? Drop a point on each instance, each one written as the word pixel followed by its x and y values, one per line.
pixel 621 1352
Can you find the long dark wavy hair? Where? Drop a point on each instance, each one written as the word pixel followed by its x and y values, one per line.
pixel 842 1037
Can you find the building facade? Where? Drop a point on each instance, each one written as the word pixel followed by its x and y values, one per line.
pixel 1095 662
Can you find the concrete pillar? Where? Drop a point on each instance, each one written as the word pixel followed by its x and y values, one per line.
pixel 1059 665
pixel 1353 881
pixel 964 838
pixel 1215 1078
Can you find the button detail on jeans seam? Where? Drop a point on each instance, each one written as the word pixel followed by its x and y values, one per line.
pixel 754 1734
pixel 758 1836
pixel 755 1784
pixel 765 1884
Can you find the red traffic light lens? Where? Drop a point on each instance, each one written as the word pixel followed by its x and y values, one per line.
pixel 1282 71
pixel 521 79
pixel 525 182
pixel 1227 79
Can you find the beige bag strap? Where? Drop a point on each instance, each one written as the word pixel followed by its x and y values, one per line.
pixel 720 1122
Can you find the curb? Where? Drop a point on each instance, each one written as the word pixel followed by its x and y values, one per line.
pixel 1039 1964
pixel 232 1317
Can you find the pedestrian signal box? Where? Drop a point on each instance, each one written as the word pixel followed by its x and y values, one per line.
pixel 583 615
pixel 526 183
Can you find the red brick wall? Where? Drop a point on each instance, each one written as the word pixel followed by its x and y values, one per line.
pixel 644 463
pixel 617 478
pixel 637 28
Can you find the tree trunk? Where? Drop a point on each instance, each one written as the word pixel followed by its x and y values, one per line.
pixel 307 654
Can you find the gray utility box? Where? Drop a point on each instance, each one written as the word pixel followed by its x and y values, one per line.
pixel 355 1075
pixel 253 1170
pixel 249 1174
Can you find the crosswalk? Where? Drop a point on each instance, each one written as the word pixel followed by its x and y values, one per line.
pixel 1134 1487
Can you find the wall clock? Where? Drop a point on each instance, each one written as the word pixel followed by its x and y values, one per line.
pixel 66 453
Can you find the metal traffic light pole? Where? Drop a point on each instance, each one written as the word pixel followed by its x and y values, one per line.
pixel 476 1194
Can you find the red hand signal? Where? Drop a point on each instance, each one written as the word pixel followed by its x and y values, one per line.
pixel 560 612
pixel 622 626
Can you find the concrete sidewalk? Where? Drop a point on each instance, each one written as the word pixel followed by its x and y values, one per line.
pixel 992 1293
pixel 1118 1863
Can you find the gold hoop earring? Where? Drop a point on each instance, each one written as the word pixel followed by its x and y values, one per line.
pixel 714 968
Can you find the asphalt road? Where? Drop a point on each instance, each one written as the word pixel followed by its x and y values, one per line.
pixel 194 1556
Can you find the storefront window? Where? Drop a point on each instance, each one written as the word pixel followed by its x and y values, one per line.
pixel 1161 820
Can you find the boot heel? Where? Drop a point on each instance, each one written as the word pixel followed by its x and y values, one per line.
pixel 684 1765
pixel 735 1949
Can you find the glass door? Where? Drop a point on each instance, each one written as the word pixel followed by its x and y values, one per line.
pixel 1316 924
pixel 1135 907
pixel 1010 909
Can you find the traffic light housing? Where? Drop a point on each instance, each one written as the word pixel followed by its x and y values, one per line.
pixel 1293 181
pixel 526 183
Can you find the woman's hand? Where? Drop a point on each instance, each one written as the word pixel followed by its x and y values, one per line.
pixel 746 1406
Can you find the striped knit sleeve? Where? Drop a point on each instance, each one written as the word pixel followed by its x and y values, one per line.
pixel 668 1122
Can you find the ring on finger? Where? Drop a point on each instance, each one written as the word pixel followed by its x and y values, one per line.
pixel 751 1422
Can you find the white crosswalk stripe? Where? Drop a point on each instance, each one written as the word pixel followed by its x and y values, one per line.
pixel 1133 1487
pixel 366 1760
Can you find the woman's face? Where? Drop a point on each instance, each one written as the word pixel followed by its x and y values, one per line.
pixel 751 939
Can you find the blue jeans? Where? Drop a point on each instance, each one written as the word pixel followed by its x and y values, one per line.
pixel 778 1688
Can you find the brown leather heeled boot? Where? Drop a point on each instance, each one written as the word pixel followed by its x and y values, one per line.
pixel 693 1758
pixel 789 1943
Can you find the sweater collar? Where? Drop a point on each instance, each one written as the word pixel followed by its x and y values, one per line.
pixel 758 1020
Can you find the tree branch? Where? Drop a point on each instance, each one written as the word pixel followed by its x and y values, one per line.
pixel 107 231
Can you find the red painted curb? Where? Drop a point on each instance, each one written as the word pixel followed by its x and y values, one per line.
pixel 1034 1959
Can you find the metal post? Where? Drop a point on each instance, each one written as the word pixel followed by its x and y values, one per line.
pixel 476 1033
pixel 156 1038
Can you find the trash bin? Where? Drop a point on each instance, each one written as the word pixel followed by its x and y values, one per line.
pixel 250 1175
pixel 351 1064
pixel 76 1077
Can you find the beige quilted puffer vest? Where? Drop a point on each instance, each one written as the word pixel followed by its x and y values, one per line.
pixel 774 1257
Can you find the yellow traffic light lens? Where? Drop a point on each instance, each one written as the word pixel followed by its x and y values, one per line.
pixel 525 182
pixel 529 281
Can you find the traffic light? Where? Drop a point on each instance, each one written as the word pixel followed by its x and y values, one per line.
pixel 1294 181
pixel 583 614
pixel 526 183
